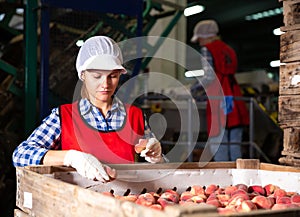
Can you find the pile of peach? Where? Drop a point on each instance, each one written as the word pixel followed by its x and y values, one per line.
pixel 230 199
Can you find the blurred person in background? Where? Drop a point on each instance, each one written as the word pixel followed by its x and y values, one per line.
pixel 229 126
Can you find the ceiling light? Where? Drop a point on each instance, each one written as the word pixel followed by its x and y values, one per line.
pixel 194 73
pixel 277 31
pixel 276 63
pixel 79 43
pixel 264 14
pixel 2 16
pixel 196 9
pixel 20 10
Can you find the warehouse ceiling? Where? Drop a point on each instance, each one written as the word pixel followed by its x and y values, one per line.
pixel 253 40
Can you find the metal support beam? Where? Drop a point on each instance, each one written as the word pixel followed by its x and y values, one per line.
pixel 30 65
pixel 162 38
pixel 44 92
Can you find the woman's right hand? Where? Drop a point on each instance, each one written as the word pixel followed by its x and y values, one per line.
pixel 89 166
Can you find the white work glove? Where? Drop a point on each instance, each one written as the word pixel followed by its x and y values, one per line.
pixel 89 166
pixel 152 152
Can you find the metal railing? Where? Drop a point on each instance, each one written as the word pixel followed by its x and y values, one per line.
pixel 253 146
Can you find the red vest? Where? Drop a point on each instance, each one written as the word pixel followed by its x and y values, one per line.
pixel 225 66
pixel 113 147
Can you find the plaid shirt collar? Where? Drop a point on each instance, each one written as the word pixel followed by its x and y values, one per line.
pixel 86 106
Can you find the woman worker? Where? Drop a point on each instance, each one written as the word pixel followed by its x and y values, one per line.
pixel 96 129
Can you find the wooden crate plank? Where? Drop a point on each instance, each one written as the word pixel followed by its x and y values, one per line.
pixel 295 155
pixel 291 140
pixel 289 79
pixel 240 164
pixel 274 167
pixel 290 28
pixel 289 160
pixel 290 46
pixel 20 213
pixel 203 210
pixel 291 14
pixel 289 109
pixel 247 164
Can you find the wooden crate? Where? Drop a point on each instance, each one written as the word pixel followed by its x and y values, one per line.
pixel 40 194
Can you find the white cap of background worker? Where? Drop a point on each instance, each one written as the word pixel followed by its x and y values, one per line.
pixel 99 52
pixel 205 29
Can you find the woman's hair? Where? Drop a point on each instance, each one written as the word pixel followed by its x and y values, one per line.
pixel 83 91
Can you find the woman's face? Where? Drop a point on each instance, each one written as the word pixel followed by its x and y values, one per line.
pixel 204 41
pixel 100 84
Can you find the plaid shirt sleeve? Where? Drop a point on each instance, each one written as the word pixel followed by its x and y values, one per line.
pixel 42 139
pixel 208 67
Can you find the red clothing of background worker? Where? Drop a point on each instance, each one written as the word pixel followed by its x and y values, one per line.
pixel 225 117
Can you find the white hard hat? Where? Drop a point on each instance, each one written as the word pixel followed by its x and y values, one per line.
pixel 99 52
pixel 205 29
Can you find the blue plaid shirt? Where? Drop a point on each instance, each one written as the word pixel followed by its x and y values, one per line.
pixel 46 136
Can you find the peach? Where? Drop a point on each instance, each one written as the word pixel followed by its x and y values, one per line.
pixel 272 198
pixel 283 200
pixel 242 186
pixel 243 195
pixel 295 199
pixel 281 206
pixel 171 191
pixel 154 194
pixel 270 188
pixel 212 196
pixel 197 199
pixel 164 202
pixel 235 201
pixel 229 189
pixel 186 195
pixel 211 189
pixel 291 193
pixel 170 196
pixel 239 191
pixel 257 188
pixel 262 202
pixel 246 206
pixel 214 202
pixel 130 197
pixel 156 206
pixel 279 193
pixel 226 210
pixel 197 189
pixel 252 195
pixel 145 199
pixel 223 198
pixel 140 146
